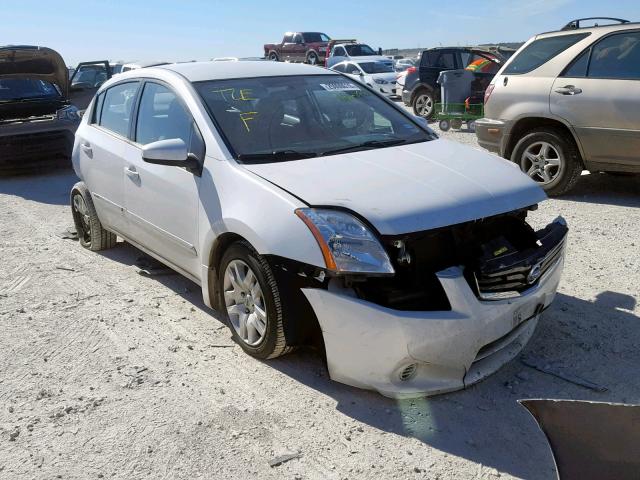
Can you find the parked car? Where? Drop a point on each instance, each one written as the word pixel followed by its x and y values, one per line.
pixel 421 90
pixel 307 47
pixel 401 77
pixel 567 101
pixel 310 210
pixel 404 63
pixel 342 52
pixel 37 117
pixel 379 76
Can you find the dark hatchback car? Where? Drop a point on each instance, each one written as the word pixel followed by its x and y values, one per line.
pixel 37 117
pixel 421 90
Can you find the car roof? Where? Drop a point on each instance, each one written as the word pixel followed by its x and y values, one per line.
pixel 202 71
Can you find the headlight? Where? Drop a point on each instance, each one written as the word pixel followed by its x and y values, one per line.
pixel 69 113
pixel 347 245
pixel 380 81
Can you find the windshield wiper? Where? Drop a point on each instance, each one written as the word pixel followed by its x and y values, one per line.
pixel 366 145
pixel 25 99
pixel 277 155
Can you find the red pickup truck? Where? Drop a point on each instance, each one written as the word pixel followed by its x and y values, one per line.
pixel 307 47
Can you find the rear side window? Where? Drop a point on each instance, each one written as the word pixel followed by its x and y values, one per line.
pixel 539 52
pixel 117 108
pixel 617 56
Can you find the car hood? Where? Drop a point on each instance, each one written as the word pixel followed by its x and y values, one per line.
pixel 408 188
pixel 39 63
pixel 388 76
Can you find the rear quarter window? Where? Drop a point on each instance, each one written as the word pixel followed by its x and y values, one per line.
pixel 539 52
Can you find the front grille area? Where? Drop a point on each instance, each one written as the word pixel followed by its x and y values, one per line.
pixel 31 149
pixel 516 271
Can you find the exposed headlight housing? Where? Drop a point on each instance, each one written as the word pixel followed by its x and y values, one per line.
pixel 347 245
pixel 380 81
pixel 69 113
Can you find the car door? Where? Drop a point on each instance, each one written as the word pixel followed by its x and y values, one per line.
pixel 599 95
pixel 101 152
pixel 288 48
pixel 86 80
pixel 161 202
pixel 338 55
pixel 299 48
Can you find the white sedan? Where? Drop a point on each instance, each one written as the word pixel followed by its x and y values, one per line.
pixel 380 76
pixel 312 211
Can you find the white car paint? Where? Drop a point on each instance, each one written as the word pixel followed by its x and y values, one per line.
pixel 178 217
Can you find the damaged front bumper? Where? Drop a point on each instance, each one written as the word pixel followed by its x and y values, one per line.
pixel 404 354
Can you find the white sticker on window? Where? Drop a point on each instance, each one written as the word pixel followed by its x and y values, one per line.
pixel 340 86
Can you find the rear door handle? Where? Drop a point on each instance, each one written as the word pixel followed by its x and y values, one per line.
pixel 131 172
pixel 568 90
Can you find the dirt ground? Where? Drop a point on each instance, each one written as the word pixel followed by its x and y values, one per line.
pixel 105 373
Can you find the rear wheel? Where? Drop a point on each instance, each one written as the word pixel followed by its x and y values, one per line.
pixel 549 157
pixel 250 299
pixel 312 58
pixel 423 104
pixel 444 125
pixel 91 233
pixel 456 123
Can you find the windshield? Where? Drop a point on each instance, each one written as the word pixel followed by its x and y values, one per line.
pixel 359 50
pixel 315 37
pixel 26 89
pixel 270 119
pixel 376 67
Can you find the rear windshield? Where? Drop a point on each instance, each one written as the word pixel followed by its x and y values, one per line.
pixel 359 50
pixel 376 67
pixel 540 52
pixel 12 89
pixel 268 119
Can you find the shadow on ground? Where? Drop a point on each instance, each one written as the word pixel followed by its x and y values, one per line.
pixel 603 188
pixel 50 187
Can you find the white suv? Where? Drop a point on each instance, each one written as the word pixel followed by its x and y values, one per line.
pixel 309 209
pixel 568 101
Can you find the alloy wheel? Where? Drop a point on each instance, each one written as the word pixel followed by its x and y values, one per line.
pixel 424 105
pixel 245 303
pixel 542 162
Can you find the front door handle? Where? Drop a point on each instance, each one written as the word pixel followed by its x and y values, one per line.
pixel 131 172
pixel 568 90
pixel 86 148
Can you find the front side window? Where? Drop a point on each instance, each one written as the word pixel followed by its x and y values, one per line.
pixel 446 60
pixel 340 67
pixel 352 69
pixel 117 108
pixel 161 116
pixel 339 52
pixel 540 52
pixel 315 37
pixel 617 56
pixel 376 67
pixel 297 38
pixel 270 119
pixel 90 76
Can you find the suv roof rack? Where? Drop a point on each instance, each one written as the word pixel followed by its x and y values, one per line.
pixel 575 24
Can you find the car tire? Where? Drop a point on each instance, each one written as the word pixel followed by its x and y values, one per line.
pixel 552 151
pixel 312 58
pixel 456 124
pixel 91 234
pixel 248 309
pixel 273 56
pixel 423 104
pixel 444 125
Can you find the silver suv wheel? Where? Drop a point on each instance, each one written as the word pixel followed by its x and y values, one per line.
pixel 542 162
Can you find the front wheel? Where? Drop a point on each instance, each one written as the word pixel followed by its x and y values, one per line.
pixel 251 302
pixel 549 157
pixel 273 56
pixel 444 125
pixel 423 104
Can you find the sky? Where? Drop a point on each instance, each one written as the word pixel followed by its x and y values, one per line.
pixel 165 30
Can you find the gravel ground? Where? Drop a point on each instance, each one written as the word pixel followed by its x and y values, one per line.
pixel 105 373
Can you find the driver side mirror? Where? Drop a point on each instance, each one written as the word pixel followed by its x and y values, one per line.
pixel 173 152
